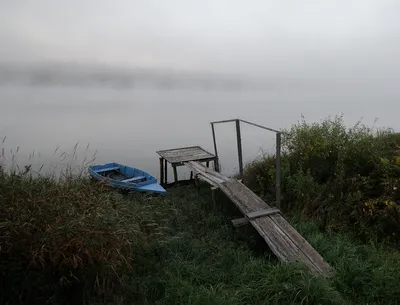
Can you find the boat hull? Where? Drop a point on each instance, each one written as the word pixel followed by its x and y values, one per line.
pixel 126 178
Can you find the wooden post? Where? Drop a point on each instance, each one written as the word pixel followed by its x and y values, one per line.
pixel 239 146
pixel 165 171
pixel 213 195
pixel 208 164
pixel 278 170
pixel 161 170
pixel 175 174
pixel 197 182
pixel 216 163
pixel 191 175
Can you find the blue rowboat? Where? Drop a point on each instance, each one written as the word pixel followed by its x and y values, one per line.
pixel 126 177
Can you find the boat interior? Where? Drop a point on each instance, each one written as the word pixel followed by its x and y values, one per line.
pixel 116 174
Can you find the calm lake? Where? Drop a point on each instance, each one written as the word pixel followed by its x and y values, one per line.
pixel 127 122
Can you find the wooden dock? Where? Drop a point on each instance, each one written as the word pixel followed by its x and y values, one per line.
pixel 284 241
pixel 178 156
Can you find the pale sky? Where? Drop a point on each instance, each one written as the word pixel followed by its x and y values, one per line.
pixel 339 38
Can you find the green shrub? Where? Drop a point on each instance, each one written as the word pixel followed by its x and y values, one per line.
pixel 330 171
pixel 260 174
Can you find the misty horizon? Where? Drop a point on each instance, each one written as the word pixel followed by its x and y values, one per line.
pixel 257 39
pixel 133 77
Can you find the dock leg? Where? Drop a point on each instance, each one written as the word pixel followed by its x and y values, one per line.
pixel 208 163
pixel 191 175
pixel 196 183
pixel 175 174
pixel 165 171
pixel 161 170
pixel 213 196
pixel 216 165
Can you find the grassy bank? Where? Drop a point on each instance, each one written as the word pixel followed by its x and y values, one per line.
pixel 76 241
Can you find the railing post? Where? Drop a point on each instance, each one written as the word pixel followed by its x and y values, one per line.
pixel 239 146
pixel 278 170
pixel 161 170
pixel 165 172
pixel 216 162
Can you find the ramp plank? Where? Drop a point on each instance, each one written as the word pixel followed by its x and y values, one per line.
pixel 284 241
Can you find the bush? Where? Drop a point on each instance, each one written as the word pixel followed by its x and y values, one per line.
pixel 330 172
pixel 63 238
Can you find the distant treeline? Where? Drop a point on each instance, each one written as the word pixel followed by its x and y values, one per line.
pixel 43 76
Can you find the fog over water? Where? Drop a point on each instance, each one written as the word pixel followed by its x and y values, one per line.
pixel 132 77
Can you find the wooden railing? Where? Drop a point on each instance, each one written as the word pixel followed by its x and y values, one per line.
pixel 240 154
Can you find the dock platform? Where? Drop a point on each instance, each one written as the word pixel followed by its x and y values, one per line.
pixel 284 241
pixel 178 156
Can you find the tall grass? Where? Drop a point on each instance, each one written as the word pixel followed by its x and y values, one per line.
pixel 76 241
pixel 64 164
pixel 56 236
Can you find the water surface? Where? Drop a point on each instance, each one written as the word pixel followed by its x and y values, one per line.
pixel 128 119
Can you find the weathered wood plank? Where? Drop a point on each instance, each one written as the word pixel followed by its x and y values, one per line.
pixel 188 155
pixel 186 158
pixel 177 149
pixel 210 177
pixel 202 176
pixel 246 203
pixel 183 163
pixel 183 160
pixel 207 178
pixel 285 242
pixel 275 237
pixel 295 249
pixel 254 215
pixel 261 213
pixel 209 181
pixel 239 222
pixel 304 246
pixel 200 168
pixel 184 154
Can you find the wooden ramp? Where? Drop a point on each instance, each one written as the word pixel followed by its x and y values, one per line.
pixel 285 242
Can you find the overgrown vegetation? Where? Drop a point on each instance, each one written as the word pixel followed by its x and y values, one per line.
pixel 62 234
pixel 77 241
pixel 343 177
pixel 74 241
